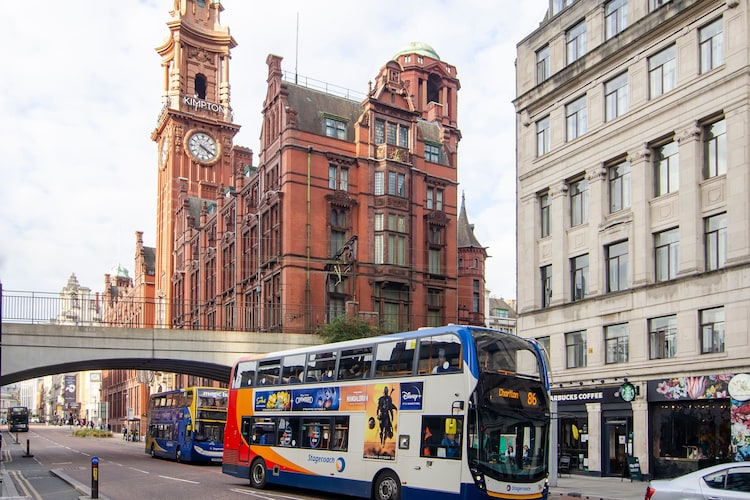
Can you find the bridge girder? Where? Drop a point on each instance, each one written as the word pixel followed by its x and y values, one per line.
pixel 34 350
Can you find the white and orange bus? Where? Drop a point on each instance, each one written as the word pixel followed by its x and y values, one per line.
pixel 454 412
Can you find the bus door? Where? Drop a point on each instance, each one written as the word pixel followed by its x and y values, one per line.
pixel 441 452
pixel 247 432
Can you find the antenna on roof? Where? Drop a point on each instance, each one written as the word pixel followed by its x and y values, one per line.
pixel 296 51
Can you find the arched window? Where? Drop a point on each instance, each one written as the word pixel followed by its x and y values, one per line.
pixel 200 86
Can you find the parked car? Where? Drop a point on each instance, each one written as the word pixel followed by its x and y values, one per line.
pixel 726 481
pixel 34 420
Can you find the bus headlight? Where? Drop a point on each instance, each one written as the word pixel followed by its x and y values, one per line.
pixel 478 479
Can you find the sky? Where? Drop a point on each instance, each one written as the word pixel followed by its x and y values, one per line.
pixel 81 94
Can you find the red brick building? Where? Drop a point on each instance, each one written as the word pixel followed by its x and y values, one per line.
pixel 352 207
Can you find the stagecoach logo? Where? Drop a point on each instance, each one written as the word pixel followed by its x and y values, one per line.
pixel 411 396
pixel 340 464
pixel 517 489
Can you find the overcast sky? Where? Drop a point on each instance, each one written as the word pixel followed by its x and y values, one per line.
pixel 81 94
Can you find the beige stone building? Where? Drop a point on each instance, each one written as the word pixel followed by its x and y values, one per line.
pixel 634 227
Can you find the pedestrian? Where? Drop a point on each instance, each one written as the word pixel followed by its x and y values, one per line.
pixel 125 433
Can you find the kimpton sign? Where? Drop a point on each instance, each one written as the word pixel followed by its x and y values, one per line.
pixel 197 104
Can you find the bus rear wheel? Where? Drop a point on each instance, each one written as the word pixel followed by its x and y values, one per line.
pixel 258 474
pixel 178 454
pixel 153 453
pixel 387 487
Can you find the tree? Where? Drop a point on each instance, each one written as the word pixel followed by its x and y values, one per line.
pixel 343 328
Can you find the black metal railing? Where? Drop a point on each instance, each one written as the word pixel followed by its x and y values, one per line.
pixel 93 309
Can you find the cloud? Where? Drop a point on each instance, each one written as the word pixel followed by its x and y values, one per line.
pixel 79 102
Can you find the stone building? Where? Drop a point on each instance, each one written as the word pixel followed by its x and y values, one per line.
pixel 634 227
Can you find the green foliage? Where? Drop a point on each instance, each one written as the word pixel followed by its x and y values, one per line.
pixel 343 328
pixel 92 433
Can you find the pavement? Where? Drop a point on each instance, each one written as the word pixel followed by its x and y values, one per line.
pixel 579 486
pixel 568 487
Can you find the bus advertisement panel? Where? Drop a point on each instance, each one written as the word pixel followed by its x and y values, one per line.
pixel 187 425
pixel 454 412
pixel 18 419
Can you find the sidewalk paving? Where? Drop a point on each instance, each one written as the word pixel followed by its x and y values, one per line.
pixel 597 488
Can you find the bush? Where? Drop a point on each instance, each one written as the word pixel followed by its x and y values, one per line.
pixel 343 328
pixel 98 433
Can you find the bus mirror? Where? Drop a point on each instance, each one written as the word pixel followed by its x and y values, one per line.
pixel 451 425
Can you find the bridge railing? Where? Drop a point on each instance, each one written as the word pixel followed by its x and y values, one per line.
pixel 93 309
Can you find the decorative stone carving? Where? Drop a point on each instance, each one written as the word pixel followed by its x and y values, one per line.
pixel 643 154
pixel 691 134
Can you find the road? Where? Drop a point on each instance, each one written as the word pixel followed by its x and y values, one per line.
pixel 125 471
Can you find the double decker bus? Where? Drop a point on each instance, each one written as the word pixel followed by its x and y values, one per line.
pixel 454 412
pixel 187 425
pixel 18 419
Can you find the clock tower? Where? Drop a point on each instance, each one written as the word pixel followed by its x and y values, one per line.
pixel 195 133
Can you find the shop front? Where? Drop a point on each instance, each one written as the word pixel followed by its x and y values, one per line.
pixel 594 422
pixel 698 421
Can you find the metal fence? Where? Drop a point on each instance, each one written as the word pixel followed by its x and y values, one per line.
pixel 93 309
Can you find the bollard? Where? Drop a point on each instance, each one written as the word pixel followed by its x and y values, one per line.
pixel 94 477
pixel 28 451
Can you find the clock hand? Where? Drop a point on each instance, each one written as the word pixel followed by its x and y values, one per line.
pixel 204 148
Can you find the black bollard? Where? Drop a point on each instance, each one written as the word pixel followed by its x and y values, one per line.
pixel 94 477
pixel 28 452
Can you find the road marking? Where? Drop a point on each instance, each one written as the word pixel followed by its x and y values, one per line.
pixel 62 463
pixel 25 485
pixel 178 479
pixel 255 494
pixel 139 470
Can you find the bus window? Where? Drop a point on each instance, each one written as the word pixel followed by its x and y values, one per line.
pixel 264 432
pixel 244 374
pixel 293 369
pixel 394 358
pixel 442 437
pixel 439 354
pixel 288 432
pixel 321 366
pixel 340 434
pixel 316 433
pixel 268 372
pixel 355 363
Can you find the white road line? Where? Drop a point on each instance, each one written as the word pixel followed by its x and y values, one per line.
pixel 25 485
pixel 255 494
pixel 139 470
pixel 178 479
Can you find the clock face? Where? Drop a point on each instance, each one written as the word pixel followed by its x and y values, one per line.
pixel 203 147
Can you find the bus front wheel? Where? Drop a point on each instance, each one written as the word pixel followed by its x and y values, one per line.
pixel 387 487
pixel 178 454
pixel 258 474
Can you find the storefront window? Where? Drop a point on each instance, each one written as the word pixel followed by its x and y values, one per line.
pixel 689 435
pixel 573 439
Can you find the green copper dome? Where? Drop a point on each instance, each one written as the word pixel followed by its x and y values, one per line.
pixel 417 48
pixel 120 272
